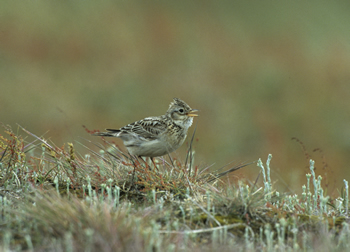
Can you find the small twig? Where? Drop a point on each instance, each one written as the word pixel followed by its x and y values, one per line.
pixel 171 160
pixel 256 181
pixel 189 152
pixel 216 176
pixel 41 140
pixel 202 230
pixel 205 211
pixel 3 154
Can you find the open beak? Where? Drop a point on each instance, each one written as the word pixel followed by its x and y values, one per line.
pixel 193 112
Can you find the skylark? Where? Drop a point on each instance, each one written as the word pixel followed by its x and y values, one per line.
pixel 157 135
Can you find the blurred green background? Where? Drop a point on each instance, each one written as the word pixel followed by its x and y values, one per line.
pixel 259 72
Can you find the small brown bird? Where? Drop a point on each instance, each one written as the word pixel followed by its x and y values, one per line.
pixel 157 135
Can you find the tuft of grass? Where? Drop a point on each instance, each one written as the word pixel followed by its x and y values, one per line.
pixel 52 198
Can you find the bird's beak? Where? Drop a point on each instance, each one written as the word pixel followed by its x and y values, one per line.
pixel 193 112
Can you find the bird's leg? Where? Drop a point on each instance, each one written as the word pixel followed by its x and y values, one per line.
pixel 152 159
pixel 146 165
pixel 132 158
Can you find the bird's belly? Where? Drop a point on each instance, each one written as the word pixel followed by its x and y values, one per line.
pixel 154 148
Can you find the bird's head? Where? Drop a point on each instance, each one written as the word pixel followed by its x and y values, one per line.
pixel 181 113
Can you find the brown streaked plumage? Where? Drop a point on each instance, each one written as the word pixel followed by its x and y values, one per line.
pixel 157 135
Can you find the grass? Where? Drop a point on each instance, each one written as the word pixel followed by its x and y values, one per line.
pixel 53 199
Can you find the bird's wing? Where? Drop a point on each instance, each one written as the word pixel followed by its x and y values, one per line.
pixel 149 128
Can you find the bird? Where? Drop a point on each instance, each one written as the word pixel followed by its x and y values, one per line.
pixel 156 136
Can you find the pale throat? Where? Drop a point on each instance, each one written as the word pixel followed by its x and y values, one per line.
pixel 184 123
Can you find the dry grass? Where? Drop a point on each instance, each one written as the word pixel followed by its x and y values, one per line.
pixel 54 200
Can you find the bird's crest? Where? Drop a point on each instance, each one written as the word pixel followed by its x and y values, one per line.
pixel 180 103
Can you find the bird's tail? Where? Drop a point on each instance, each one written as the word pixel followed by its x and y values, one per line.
pixel 106 134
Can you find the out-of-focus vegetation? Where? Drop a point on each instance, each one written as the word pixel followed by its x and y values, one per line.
pixel 260 73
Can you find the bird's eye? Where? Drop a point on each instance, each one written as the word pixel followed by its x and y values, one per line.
pixel 181 110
